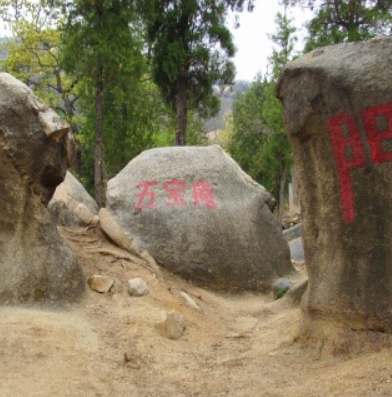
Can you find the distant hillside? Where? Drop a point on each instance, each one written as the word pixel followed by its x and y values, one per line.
pixel 227 99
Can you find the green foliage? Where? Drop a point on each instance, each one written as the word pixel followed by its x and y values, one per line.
pixel 103 30
pixel 134 122
pixel 33 53
pixel 346 21
pixel 276 155
pixel 185 36
pixel 196 130
pixel 106 36
pixel 281 293
pixel 248 129
pixel 190 50
pixel 224 135
pixel 285 39
pixel 260 143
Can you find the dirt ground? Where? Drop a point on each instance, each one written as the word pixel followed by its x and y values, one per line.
pixel 240 346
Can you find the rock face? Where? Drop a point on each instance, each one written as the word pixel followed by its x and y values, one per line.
pixel 338 111
pixel 294 237
pixel 35 151
pixel 71 205
pixel 199 215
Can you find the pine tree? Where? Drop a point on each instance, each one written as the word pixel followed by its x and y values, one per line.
pixel 100 47
pixel 260 143
pixel 191 49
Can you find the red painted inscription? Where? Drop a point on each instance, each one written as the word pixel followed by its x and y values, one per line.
pixel 377 136
pixel 349 150
pixel 175 190
pixel 146 193
pixel 202 192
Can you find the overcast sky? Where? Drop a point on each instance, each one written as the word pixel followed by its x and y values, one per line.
pixel 253 45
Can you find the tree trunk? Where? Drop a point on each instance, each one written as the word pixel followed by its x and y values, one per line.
pixel 70 113
pixel 282 187
pixel 77 160
pixel 98 180
pixel 182 107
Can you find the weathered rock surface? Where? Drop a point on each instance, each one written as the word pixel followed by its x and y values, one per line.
pixel 35 151
pixel 117 287
pixel 137 287
pixel 174 325
pixel 338 111
pixel 200 216
pixel 100 283
pixel 294 237
pixel 297 250
pixel 114 231
pixel 293 233
pixel 71 205
pixel 189 301
pixel 296 292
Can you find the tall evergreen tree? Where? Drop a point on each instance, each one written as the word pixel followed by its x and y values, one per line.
pixel 276 156
pixel 248 128
pixel 260 143
pixel 100 47
pixel 190 50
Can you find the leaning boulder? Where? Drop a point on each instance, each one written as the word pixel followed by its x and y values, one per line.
pixel 35 151
pixel 338 111
pixel 71 205
pixel 200 216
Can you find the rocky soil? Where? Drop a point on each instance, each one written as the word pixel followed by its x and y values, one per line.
pixel 239 346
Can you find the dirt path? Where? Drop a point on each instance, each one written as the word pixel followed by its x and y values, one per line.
pixel 235 346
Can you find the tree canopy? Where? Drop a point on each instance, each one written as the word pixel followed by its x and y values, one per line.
pixel 191 49
pixel 338 21
pixel 109 60
pixel 259 142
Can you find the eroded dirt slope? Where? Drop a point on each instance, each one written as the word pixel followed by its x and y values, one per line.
pixel 235 346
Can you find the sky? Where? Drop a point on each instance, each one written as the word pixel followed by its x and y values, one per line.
pixel 253 45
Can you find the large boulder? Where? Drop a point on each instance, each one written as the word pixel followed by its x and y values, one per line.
pixel 200 216
pixel 338 111
pixel 71 205
pixel 35 150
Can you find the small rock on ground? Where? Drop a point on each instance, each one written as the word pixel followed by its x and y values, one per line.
pixel 189 301
pixel 100 283
pixel 173 326
pixel 280 286
pixel 117 287
pixel 137 287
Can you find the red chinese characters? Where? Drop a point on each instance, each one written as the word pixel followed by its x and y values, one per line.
pixel 175 193
pixel 203 193
pixel 175 190
pixel 375 135
pixel 146 196
pixel 349 150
